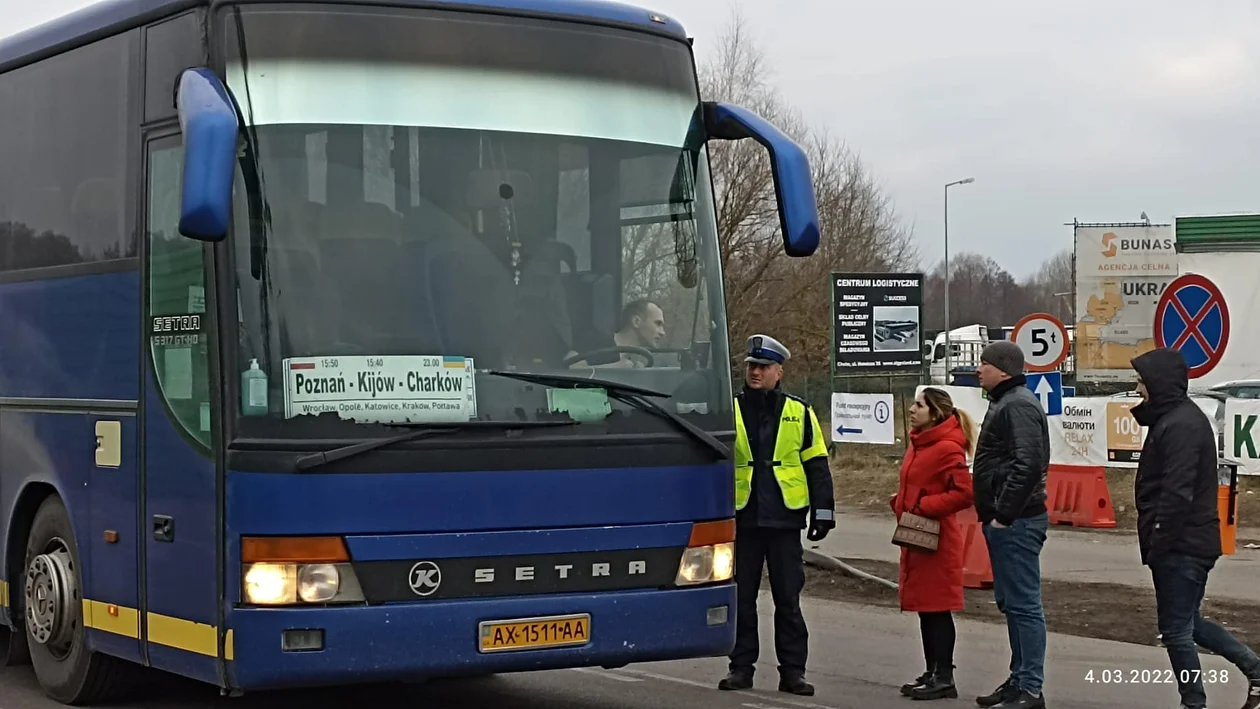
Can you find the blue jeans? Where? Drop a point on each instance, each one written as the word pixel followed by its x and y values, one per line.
pixel 1180 582
pixel 1015 554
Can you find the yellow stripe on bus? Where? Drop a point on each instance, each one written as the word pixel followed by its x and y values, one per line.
pixel 163 630
pixel 184 635
pixel 123 621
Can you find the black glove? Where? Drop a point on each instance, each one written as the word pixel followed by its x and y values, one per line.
pixel 820 523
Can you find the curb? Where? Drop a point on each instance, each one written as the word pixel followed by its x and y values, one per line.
pixel 833 564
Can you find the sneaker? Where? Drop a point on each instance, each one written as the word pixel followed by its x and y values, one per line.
pixel 736 680
pixel 1023 700
pixel 1008 690
pixel 797 686
pixel 1253 695
pixel 921 679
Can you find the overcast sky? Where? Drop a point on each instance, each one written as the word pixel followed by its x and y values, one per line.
pixel 1060 110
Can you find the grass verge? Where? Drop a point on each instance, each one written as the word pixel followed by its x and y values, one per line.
pixel 865 476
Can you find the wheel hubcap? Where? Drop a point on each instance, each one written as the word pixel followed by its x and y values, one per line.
pixel 50 597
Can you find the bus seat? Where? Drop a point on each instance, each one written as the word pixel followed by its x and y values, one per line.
pixel 362 272
pixel 592 301
pixel 542 303
pixel 472 299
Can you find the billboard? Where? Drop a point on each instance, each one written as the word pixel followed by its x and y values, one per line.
pixel 877 322
pixel 1121 271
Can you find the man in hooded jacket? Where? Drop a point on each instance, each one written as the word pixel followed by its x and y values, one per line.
pixel 1179 533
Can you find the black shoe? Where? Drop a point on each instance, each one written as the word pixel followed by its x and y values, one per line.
pixel 1023 700
pixel 939 686
pixel 1253 695
pixel 1007 691
pixel 797 686
pixel 736 680
pixel 921 679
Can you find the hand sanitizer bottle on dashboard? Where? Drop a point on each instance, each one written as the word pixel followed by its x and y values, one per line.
pixel 253 390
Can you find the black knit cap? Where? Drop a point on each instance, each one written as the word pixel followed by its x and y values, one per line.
pixel 1006 356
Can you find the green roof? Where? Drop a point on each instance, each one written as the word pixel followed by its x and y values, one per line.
pixel 1220 232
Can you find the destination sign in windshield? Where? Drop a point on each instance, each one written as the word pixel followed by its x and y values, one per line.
pixel 400 389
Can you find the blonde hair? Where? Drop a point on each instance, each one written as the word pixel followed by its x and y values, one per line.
pixel 941 407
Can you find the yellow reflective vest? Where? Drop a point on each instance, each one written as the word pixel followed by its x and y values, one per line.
pixel 788 456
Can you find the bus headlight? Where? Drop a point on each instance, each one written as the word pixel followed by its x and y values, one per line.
pixel 269 584
pixel 707 564
pixel 286 571
pixel 318 583
pixel 724 561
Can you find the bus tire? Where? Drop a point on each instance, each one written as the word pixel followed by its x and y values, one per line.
pixel 53 615
pixel 13 651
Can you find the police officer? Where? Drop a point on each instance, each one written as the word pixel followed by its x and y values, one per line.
pixel 781 472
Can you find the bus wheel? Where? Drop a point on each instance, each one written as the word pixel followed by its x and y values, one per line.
pixel 53 610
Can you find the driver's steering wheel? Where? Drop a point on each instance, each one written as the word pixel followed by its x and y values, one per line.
pixel 618 349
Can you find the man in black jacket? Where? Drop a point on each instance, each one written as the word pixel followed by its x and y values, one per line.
pixel 1179 533
pixel 781 475
pixel 1011 462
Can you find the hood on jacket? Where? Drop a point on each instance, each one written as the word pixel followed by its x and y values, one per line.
pixel 1167 379
pixel 947 430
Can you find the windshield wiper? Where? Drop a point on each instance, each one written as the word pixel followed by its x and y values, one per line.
pixel 628 394
pixel 314 460
pixel 570 381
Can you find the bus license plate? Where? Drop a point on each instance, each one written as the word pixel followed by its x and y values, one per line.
pixel 535 633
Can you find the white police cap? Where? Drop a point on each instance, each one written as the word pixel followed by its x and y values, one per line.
pixel 764 349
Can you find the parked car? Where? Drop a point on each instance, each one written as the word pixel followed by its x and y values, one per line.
pixel 1240 389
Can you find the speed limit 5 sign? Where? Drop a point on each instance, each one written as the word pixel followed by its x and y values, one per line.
pixel 1044 341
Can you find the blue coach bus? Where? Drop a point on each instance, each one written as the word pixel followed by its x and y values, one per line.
pixel 313 364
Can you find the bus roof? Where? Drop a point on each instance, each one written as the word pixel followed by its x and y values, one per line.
pixel 107 17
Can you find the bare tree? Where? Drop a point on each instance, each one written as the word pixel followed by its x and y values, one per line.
pixel 860 231
pixel 983 293
pixel 1051 288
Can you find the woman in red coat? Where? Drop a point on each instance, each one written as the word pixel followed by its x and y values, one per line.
pixel 935 483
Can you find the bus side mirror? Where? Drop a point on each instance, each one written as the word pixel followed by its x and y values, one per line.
pixel 207 117
pixel 793 183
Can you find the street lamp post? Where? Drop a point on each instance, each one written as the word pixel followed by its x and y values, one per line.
pixel 948 348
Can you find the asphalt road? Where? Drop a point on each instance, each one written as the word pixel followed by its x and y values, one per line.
pixel 859 656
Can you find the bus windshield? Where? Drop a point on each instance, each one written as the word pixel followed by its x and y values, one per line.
pixel 428 195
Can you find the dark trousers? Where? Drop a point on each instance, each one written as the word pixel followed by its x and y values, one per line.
pixel 781 550
pixel 938 634
pixel 1180 582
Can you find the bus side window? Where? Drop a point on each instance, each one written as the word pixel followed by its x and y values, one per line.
pixel 178 331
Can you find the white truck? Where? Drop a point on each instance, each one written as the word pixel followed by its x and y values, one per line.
pixel 965 344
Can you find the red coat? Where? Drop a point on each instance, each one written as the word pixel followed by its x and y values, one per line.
pixel 935 474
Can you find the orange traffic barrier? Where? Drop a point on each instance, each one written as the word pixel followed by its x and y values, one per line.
pixel 1078 495
pixel 977 572
pixel 1225 505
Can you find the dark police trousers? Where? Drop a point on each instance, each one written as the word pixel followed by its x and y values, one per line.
pixel 781 551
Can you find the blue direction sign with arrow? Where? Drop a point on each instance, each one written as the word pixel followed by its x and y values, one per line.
pixel 846 431
pixel 1048 387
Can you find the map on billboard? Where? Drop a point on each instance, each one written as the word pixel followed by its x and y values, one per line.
pixel 1121 271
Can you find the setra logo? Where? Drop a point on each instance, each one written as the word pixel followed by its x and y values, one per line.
pixel 424 578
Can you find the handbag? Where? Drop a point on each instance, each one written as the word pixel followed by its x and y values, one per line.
pixel 917 532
